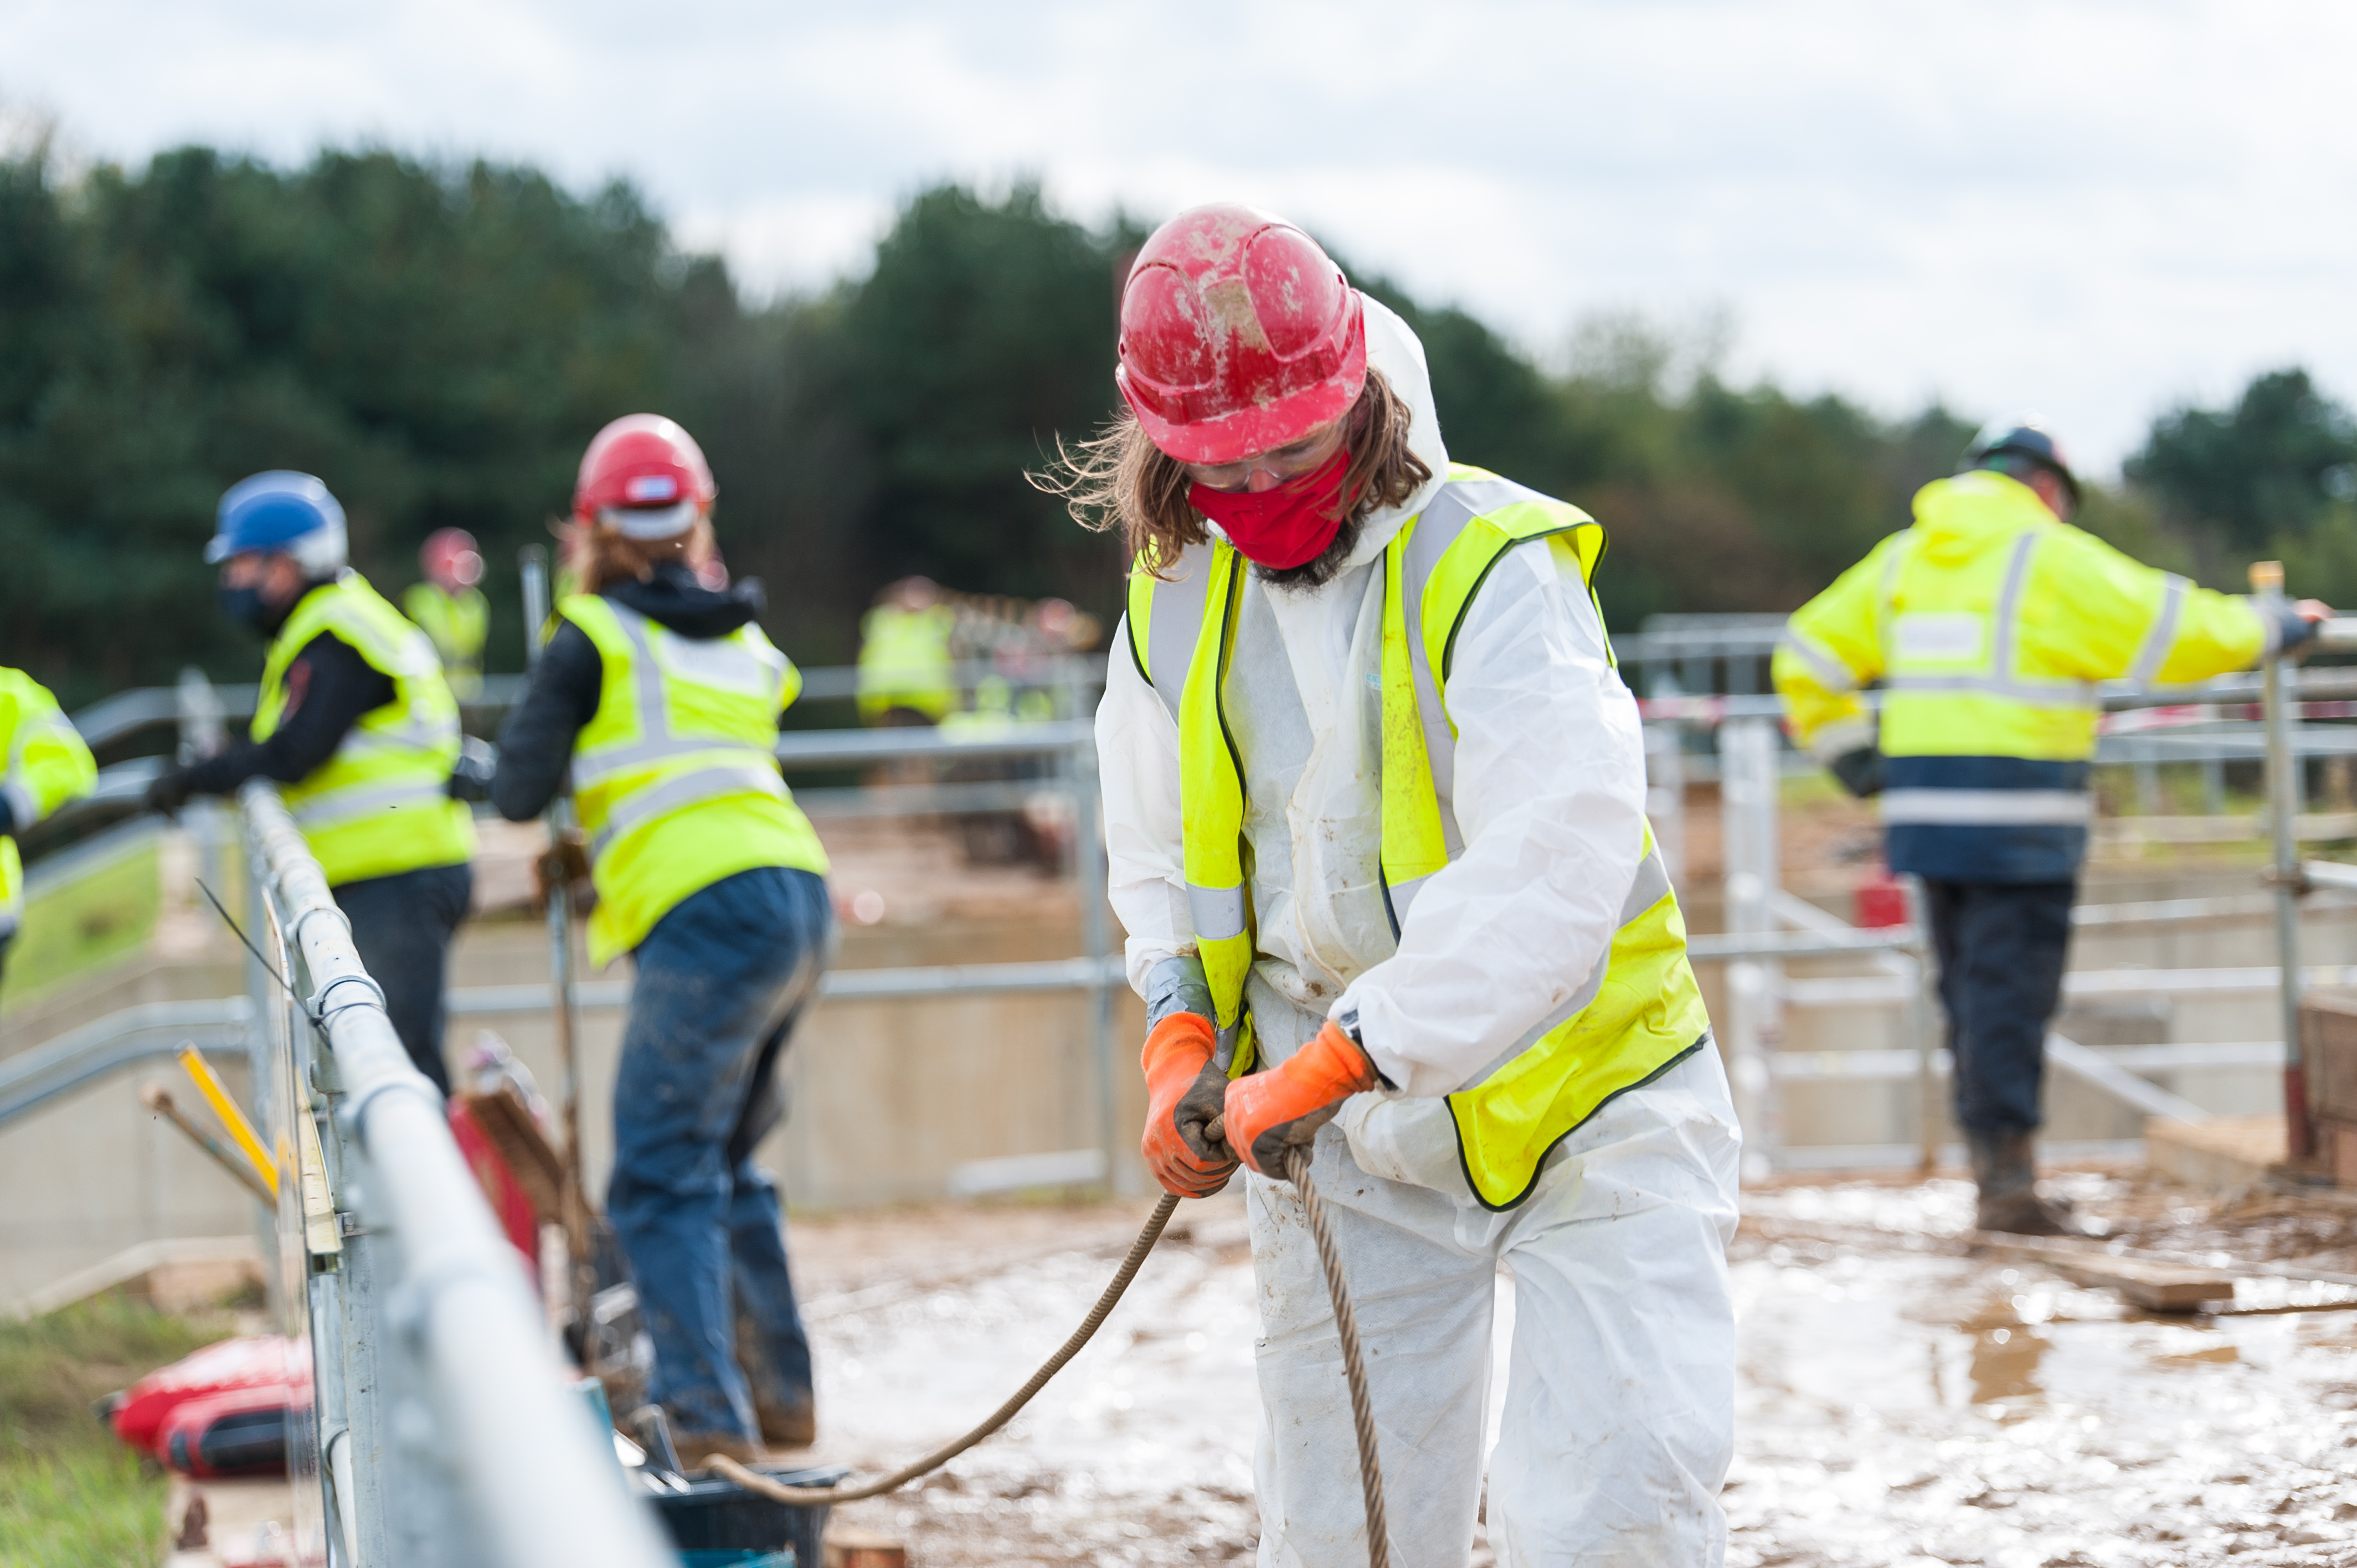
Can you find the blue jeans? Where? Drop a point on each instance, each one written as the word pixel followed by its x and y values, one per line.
pixel 722 979
pixel 2002 947
pixel 403 924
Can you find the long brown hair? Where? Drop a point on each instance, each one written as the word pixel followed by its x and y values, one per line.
pixel 597 556
pixel 1120 478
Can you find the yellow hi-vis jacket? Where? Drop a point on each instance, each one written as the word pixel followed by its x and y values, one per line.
pixel 1989 625
pixel 675 776
pixel 381 804
pixel 458 624
pixel 48 765
pixel 1637 1015
pixel 904 661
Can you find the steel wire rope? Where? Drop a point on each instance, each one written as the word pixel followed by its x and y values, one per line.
pixel 1346 1324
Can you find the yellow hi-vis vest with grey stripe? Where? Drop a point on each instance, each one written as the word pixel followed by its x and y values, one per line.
pixel 382 803
pixel 459 623
pixel 675 776
pixel 1639 1013
pixel 47 765
pixel 1990 624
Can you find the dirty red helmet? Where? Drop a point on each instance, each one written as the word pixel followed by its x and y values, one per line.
pixel 646 476
pixel 1238 335
pixel 449 557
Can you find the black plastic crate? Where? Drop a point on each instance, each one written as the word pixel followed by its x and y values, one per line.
pixel 715 1514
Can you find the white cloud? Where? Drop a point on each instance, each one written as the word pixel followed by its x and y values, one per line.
pixel 2097 207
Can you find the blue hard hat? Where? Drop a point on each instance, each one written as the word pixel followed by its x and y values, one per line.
pixel 276 512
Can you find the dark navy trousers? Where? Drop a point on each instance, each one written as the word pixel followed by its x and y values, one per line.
pixel 2002 947
pixel 722 979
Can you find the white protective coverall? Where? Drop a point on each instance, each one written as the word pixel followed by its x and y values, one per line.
pixel 1617 1425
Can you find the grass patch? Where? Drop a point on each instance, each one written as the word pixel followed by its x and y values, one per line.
pixel 84 924
pixel 71 1495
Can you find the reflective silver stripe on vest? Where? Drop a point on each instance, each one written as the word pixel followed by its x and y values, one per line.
pixel 2004 621
pixel 1831 673
pixel 655 743
pixel 1991 808
pixel 426 735
pixel 1176 624
pixel 336 806
pixel 2163 635
pixel 1217 913
pixel 640 807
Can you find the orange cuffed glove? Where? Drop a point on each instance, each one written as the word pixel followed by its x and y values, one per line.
pixel 1184 1093
pixel 1270 1113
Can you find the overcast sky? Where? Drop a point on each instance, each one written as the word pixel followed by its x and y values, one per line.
pixel 2096 207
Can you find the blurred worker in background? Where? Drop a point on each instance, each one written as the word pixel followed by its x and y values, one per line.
pixel 450 608
pixel 1988 624
pixel 906 674
pixel 659 697
pixel 355 721
pixel 1375 804
pixel 48 765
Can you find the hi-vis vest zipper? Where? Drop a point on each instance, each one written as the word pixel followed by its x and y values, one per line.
pixel 382 803
pixel 1638 1014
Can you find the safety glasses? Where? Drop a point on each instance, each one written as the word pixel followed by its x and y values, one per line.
pixel 1280 463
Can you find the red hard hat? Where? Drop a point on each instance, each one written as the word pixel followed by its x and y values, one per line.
pixel 449 555
pixel 1237 335
pixel 643 463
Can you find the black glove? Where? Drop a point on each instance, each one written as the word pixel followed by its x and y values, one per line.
pixel 470 776
pixel 2298 630
pixel 1861 772
pixel 168 791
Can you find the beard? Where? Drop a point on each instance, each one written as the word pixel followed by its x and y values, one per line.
pixel 1321 568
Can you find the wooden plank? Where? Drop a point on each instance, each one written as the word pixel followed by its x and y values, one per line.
pixel 2155 1285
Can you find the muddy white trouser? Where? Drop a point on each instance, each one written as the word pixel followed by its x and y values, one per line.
pixel 1618 1407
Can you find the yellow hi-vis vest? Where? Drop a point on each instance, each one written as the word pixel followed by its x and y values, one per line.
pixel 675 776
pixel 1638 1014
pixel 904 661
pixel 459 623
pixel 382 803
pixel 47 765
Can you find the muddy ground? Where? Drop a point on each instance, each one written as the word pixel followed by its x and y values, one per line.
pixel 1899 1401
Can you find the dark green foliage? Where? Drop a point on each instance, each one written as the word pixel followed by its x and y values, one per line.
pixel 2272 476
pixel 439 341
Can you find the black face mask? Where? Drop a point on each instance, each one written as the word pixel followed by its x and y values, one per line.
pixel 246 608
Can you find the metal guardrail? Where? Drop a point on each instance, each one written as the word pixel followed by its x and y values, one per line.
pixel 446 1428
pixel 121 1039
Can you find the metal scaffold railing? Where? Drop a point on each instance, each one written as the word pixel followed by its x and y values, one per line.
pixel 446 1428
pixel 1768 926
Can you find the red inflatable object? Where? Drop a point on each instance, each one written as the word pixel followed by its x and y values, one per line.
pixel 221 1412
pixel 233 1432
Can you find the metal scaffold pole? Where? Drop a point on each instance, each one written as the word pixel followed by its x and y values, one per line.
pixel 2277 693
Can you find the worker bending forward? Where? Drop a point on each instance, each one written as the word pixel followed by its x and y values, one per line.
pixel 47 765
pixel 356 724
pixel 1374 797
pixel 663 697
pixel 1988 624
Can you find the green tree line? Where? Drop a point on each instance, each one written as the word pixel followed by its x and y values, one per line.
pixel 439 341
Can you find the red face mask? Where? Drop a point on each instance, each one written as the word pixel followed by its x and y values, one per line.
pixel 1288 526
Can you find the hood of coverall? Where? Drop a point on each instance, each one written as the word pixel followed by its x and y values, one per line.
pixel 1960 517
pixel 674 597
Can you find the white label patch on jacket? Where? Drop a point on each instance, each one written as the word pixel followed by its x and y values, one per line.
pixel 1946 636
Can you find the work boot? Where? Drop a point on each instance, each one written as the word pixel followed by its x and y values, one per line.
pixel 2005 1168
pixel 786 1425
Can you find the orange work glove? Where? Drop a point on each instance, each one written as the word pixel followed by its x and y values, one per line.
pixel 1184 1093
pixel 1270 1113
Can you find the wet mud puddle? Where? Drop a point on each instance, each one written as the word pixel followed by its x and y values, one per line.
pixel 1897 1403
